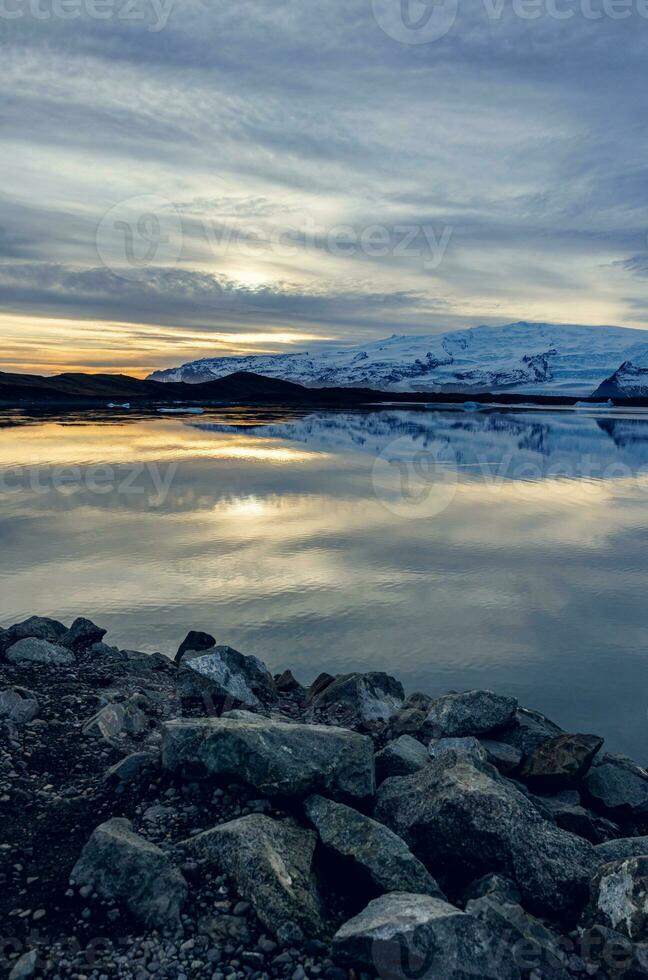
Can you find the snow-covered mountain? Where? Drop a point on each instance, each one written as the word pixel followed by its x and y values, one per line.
pixel 629 381
pixel 538 358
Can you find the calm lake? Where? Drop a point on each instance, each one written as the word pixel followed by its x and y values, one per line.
pixel 454 549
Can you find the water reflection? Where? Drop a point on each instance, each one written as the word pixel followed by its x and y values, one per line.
pixel 274 531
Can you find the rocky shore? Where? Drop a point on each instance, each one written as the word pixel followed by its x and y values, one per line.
pixel 198 817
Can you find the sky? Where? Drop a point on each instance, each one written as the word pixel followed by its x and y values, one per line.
pixel 185 178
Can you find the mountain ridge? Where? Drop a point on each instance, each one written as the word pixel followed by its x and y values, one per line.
pixel 525 357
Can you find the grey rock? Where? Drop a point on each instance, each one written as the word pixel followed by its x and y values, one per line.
pixel 494 886
pixel 225 676
pixel 619 898
pixel 617 787
pixel 371 846
pixel 365 701
pixel 568 813
pixel 527 730
pixel 38 651
pixel 404 934
pixel 624 847
pixel 468 746
pixel 270 862
pixel 25 966
pixel 116 720
pixel 277 758
pixel 464 820
pixel 17 708
pixel 321 682
pixel 470 713
pixel 401 757
pixel 122 866
pixel 408 721
pixel 561 761
pixel 131 768
pixel 195 641
pixel 287 683
pixel 83 633
pixel 506 758
pixel 535 949
pixel 38 627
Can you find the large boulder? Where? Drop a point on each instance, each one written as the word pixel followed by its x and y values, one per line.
pixel 37 651
pixel 401 757
pixel 225 678
pixel 83 633
pixel 277 758
pixel 270 862
pixel 365 701
pixel 36 627
pixel 617 787
pixel 561 761
pixel 468 745
pixel 535 948
pixel 195 642
pixel 469 713
pixel 619 898
pixel 464 820
pixel 403 934
pixel 120 865
pixel 370 846
pixel 567 811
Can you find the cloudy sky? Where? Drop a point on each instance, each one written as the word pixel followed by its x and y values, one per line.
pixel 189 178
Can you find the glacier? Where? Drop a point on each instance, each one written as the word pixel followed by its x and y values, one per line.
pixel 533 358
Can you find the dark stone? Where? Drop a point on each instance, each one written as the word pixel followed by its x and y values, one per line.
pixel 504 757
pixel 528 730
pixel 277 758
pixel 623 847
pixel 365 701
pixel 561 761
pixel 617 787
pixel 464 820
pixel 194 641
pixel 82 634
pixel 610 956
pixel 494 886
pixel 38 627
pixel 403 934
pixel 320 684
pixel 469 713
pixel 121 866
pixel 35 651
pixel 401 757
pixel 224 678
pixel 535 948
pixel 371 846
pixel 270 862
pixel 287 684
